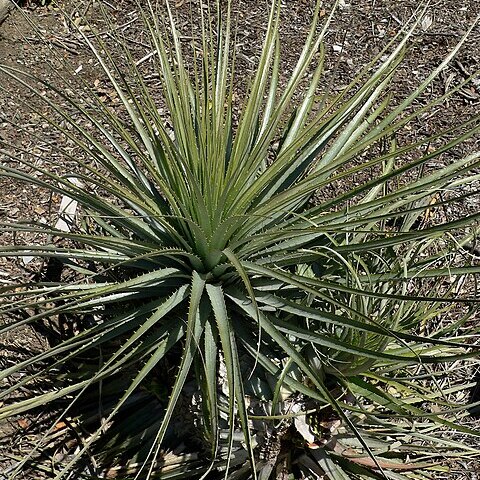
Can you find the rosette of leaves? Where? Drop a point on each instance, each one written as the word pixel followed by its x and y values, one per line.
pixel 210 261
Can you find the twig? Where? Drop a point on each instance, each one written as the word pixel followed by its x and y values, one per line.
pixel 462 69
pixel 145 58
pixel 439 34
pixel 56 42
pixel 110 30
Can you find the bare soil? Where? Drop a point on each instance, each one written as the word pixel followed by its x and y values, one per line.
pixel 42 41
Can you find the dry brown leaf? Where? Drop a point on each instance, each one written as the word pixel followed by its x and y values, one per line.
pixel 23 423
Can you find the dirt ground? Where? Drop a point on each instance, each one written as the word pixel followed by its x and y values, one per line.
pixel 42 40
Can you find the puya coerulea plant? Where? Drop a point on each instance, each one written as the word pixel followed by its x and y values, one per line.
pixel 214 280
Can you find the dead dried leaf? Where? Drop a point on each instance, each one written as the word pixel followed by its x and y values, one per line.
pixel 23 423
